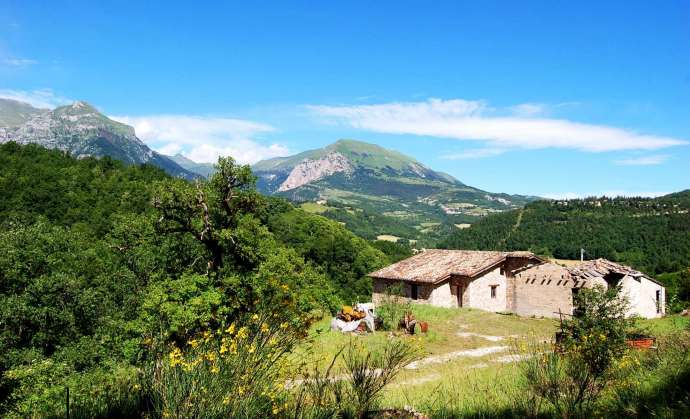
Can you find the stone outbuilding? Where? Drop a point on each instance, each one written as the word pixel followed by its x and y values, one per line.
pixel 516 282
pixel 455 278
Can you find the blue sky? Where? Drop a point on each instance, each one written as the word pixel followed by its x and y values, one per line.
pixel 544 98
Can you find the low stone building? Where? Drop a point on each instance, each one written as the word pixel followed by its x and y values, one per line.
pixel 455 278
pixel 549 288
pixel 517 282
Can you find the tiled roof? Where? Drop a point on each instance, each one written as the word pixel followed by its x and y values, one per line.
pixel 582 271
pixel 434 265
pixel 600 268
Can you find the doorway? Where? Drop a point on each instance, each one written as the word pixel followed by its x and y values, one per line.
pixel 459 291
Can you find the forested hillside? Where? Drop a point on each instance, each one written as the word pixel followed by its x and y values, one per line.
pixel 650 234
pixel 376 191
pixel 103 267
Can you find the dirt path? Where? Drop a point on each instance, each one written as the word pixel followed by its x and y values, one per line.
pixel 468 353
pixel 487 337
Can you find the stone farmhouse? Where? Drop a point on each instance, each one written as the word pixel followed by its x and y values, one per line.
pixel 515 282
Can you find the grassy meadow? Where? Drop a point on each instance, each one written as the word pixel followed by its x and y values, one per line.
pixel 468 360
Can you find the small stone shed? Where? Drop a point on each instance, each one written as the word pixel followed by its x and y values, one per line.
pixel 517 282
pixel 545 289
pixel 455 278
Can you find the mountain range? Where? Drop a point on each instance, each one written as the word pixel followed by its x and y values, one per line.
pixel 81 130
pixel 384 181
pixel 382 191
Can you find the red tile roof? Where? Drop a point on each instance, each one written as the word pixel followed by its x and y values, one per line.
pixel 435 265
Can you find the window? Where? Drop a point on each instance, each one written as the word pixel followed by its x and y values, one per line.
pixel 493 291
pixel 414 292
pixel 502 271
pixel 658 301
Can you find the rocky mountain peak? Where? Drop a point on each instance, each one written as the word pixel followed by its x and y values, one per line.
pixel 81 130
pixel 308 170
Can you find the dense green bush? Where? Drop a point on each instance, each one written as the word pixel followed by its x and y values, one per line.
pixel 104 266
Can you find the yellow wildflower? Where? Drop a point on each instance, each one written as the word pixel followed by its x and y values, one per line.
pixel 264 327
pixel 283 325
pixel 231 329
pixel 242 333
pixel 255 317
pixel 251 350
pixel 193 343
pixel 226 400
pixel 241 390
pixel 215 369
pixel 175 357
pixel 284 287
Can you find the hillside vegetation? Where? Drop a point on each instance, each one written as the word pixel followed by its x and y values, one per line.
pixel 388 192
pixel 650 234
pixel 105 266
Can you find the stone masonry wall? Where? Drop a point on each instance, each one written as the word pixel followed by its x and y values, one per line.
pixel 642 297
pixel 542 291
pixel 479 291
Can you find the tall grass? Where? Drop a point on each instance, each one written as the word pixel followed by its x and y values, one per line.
pixel 358 392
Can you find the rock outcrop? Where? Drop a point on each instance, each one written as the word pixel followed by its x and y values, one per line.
pixel 311 170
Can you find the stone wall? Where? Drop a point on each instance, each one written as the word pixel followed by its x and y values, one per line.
pixel 642 297
pixel 478 292
pixel 443 295
pixel 425 292
pixel 542 291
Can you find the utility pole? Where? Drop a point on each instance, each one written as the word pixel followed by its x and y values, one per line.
pixel 582 255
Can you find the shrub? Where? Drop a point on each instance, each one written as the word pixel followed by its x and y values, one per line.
pixel 393 306
pixel 572 378
pixel 658 382
pixel 358 392
pixel 235 371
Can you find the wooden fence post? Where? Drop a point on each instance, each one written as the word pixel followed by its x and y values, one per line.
pixel 67 401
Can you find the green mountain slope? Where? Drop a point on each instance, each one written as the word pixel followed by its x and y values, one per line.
pixel 651 234
pixel 203 169
pixel 81 130
pixel 14 113
pixel 376 180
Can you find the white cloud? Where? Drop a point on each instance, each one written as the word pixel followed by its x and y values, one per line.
pixel 170 149
pixel 644 160
pixel 528 109
pixel 40 98
pixel 204 139
pixel 18 62
pixel 610 194
pixel 475 121
pixel 477 153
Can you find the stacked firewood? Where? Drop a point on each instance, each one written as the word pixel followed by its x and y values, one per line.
pixel 348 314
